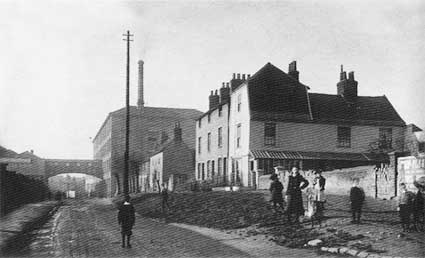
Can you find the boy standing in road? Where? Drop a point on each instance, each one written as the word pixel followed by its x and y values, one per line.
pixel 405 201
pixel 164 197
pixel 276 189
pixel 126 219
pixel 357 198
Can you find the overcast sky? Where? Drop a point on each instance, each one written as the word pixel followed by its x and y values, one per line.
pixel 62 63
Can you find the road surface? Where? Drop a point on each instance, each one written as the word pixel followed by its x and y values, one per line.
pixel 88 228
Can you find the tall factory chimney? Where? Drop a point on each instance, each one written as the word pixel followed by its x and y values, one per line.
pixel 140 101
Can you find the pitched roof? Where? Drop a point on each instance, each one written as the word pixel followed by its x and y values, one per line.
pixel 326 107
pixel 273 90
pixel 275 95
pixel 6 153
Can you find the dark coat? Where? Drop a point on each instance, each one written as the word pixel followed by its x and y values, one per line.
pixel 357 195
pixel 126 218
pixel 295 200
pixel 276 189
pixel 322 182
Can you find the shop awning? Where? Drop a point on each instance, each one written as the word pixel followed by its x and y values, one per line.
pixel 303 155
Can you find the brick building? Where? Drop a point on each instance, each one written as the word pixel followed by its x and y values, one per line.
pixel 274 121
pixel 150 127
pixel 173 164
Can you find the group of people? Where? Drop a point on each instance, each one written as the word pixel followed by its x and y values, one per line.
pixel 295 184
pixel 411 209
pixel 410 205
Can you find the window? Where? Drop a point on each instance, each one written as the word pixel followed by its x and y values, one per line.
pixel 220 137
pixel 203 171
pixel 220 111
pixel 421 147
pixel 199 171
pixel 224 166
pixel 344 136
pixel 209 117
pixel 208 168
pixel 199 123
pixel 212 168
pixel 219 167
pixel 239 102
pixel 199 145
pixel 385 138
pixel 270 134
pixel 238 135
pixel 209 142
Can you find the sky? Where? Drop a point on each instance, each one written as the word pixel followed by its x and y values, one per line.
pixel 62 63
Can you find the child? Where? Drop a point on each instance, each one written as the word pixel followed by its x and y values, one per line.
pixel 357 198
pixel 164 196
pixel 276 189
pixel 405 201
pixel 126 219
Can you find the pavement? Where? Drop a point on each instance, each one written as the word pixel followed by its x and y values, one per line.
pixel 23 220
pixel 89 228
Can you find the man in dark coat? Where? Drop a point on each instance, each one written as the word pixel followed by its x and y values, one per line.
pixel 276 189
pixel 296 183
pixel 357 198
pixel 126 218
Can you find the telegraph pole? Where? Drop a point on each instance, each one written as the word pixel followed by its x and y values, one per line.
pixel 127 120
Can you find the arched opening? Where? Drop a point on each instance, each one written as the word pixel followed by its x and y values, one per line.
pixel 76 186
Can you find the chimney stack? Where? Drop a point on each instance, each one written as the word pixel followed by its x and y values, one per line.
pixel 214 100
pixel 236 81
pixel 140 101
pixel 347 88
pixel 292 70
pixel 224 93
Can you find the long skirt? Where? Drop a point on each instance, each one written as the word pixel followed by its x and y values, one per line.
pixel 295 204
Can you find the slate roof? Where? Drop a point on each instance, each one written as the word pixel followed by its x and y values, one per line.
pixel 275 95
pixel 326 107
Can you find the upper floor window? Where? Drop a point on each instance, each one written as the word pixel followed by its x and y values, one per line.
pixel 421 147
pixel 219 166
pixel 385 138
pixel 209 142
pixel 200 123
pixel 220 137
pixel 199 145
pixel 344 137
pixel 238 135
pixel 270 134
pixel 220 111
pixel 239 102
pixel 209 117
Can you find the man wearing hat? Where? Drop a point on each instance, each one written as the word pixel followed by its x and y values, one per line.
pixel 276 189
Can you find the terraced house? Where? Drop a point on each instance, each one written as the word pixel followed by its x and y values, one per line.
pixel 271 120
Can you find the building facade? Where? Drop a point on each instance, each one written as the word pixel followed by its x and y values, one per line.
pixel 150 127
pixel 275 122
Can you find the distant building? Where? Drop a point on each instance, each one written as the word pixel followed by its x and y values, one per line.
pixel 414 140
pixel 150 127
pixel 274 121
pixel 173 164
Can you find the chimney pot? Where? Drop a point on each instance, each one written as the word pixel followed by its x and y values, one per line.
pixel 227 85
pixel 223 84
pixel 212 93
pixel 216 92
pixel 351 75
pixel 239 76
pixel 32 151
pixel 243 77
pixel 249 76
pixel 234 75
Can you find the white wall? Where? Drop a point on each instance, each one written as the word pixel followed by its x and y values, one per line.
pixel 156 166
pixel 212 127
pixel 242 117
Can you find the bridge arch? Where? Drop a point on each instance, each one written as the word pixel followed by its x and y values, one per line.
pixel 55 167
